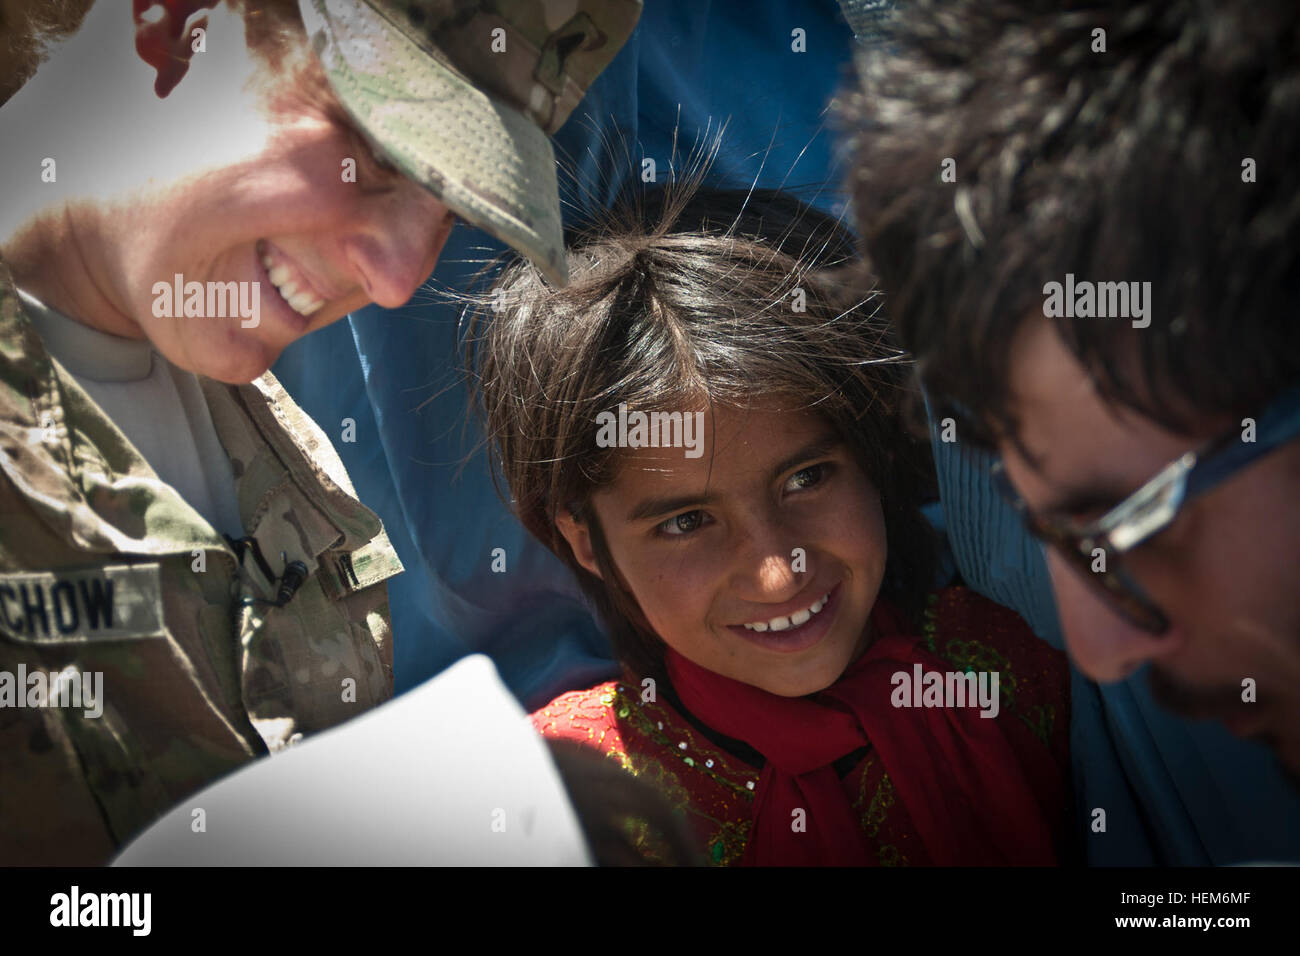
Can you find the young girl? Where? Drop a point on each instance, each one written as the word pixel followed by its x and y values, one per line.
pixel 708 433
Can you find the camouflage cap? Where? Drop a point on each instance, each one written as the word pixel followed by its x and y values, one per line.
pixel 461 95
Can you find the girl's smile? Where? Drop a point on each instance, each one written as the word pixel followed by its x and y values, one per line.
pixel 706 546
pixel 797 631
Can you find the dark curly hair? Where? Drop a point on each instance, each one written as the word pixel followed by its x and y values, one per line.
pixel 1132 163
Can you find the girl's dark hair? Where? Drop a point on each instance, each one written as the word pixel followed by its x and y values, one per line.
pixel 687 298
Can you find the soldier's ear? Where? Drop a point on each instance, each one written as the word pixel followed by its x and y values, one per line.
pixel 163 37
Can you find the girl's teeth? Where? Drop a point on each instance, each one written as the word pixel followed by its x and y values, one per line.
pixel 266 261
pixel 280 276
pixel 797 619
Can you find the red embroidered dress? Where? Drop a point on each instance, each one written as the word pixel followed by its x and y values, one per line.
pixel 713 779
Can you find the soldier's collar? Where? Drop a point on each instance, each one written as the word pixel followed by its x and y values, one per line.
pixel 85 352
pixel 25 365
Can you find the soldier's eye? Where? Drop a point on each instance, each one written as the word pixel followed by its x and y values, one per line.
pixel 371 156
pixel 380 161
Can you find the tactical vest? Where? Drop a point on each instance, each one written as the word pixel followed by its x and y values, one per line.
pixel 208 653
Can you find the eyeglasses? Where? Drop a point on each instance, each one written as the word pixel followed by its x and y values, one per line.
pixel 1153 508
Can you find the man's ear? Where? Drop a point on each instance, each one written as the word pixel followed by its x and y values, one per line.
pixel 163 37
pixel 578 534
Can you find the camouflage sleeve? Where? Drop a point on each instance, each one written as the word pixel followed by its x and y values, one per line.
pixel 107 716
pixel 48 814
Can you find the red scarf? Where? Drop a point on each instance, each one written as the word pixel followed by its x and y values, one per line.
pixel 972 798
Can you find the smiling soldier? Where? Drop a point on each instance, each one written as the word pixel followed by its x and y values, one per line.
pixel 170 518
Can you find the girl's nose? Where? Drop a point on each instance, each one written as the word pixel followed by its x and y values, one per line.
pixel 768 567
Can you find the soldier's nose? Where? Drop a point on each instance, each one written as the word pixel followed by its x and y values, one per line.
pixel 1103 643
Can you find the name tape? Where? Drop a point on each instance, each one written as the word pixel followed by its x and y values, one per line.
pixel 111 603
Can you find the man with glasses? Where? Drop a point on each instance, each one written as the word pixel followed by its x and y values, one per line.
pixel 1122 531
pixel 1004 147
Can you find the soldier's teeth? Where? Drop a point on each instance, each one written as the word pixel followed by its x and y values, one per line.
pixel 304 301
pixel 301 301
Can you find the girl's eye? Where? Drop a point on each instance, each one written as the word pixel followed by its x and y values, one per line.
pixel 806 478
pixel 681 524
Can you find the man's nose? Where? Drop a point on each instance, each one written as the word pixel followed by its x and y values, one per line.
pixel 1103 643
pixel 401 246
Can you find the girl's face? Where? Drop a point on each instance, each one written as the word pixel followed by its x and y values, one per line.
pixel 760 559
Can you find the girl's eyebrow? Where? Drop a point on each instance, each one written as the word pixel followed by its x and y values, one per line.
pixel 654 507
pixel 817 448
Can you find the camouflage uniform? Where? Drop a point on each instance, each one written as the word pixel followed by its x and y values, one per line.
pixel 106 569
